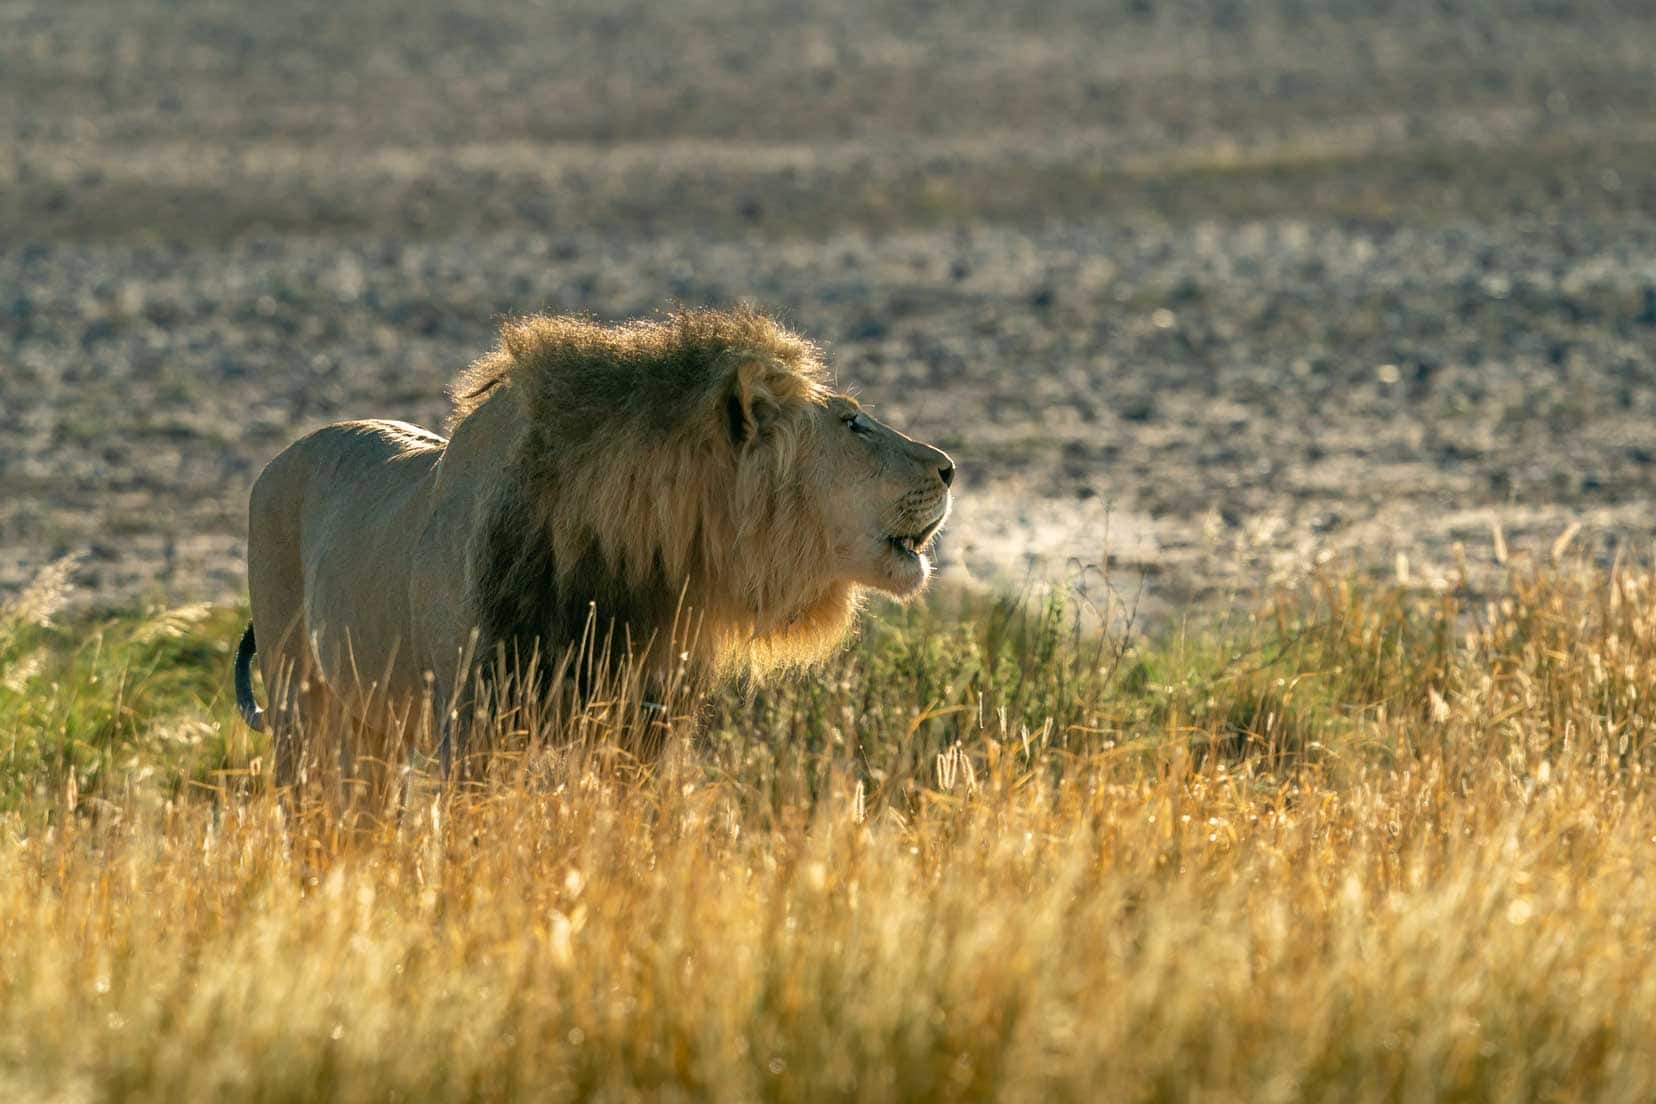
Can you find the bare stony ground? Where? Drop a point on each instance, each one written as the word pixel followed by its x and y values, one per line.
pixel 1201 294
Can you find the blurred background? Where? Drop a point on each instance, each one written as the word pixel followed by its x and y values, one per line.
pixel 1202 293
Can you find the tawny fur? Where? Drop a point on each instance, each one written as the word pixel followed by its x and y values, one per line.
pixel 688 489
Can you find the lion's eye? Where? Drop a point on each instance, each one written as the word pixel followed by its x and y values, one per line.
pixel 857 423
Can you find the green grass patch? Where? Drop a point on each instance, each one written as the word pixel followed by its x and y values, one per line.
pixel 94 707
pixel 97 708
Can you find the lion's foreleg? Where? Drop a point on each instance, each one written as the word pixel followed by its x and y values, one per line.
pixel 457 702
pixel 453 746
pixel 445 744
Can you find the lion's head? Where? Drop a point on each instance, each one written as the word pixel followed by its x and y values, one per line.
pixel 697 471
pixel 883 495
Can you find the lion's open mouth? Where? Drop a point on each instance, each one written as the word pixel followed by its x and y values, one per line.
pixel 912 545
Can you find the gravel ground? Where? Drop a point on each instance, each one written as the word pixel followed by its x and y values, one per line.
pixel 1199 293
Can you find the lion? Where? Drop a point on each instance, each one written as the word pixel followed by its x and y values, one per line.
pixel 601 485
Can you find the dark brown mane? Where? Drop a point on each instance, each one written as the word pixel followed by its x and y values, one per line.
pixel 622 506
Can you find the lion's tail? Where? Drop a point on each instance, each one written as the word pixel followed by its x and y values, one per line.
pixel 250 711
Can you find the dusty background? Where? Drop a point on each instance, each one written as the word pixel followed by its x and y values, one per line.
pixel 1205 290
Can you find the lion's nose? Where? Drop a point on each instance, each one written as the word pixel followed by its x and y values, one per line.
pixel 946 472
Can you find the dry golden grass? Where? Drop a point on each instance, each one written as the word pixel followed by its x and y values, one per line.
pixel 1372 845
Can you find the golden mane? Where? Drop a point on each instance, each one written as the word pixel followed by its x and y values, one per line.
pixel 658 477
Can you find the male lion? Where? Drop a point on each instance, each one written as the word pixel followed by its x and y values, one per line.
pixel 601 483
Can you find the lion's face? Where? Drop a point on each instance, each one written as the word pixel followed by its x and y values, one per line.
pixel 884 497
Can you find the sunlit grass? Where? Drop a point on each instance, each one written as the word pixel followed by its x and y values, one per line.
pixel 1369 844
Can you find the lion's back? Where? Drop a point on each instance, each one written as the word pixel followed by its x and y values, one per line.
pixel 341 473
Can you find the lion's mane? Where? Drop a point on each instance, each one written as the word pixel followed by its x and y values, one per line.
pixel 656 493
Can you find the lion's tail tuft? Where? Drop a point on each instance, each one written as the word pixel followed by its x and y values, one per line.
pixel 250 711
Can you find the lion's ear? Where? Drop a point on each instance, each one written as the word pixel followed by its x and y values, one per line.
pixel 750 409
